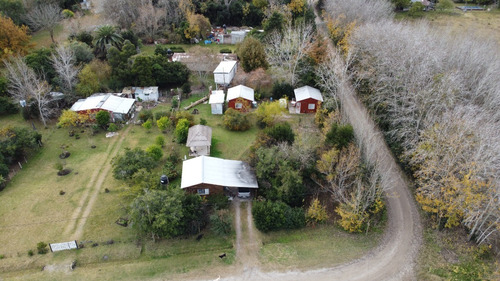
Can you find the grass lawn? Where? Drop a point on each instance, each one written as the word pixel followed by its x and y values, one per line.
pixel 325 245
pixel 150 48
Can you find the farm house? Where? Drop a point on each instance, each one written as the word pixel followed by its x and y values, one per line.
pixel 307 99
pixel 199 140
pixel 216 102
pixel 206 175
pixel 240 98
pixel 224 72
pixel 120 109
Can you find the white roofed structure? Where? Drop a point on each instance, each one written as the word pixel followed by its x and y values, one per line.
pixel 120 108
pixel 216 102
pixel 205 170
pixel 240 91
pixel 307 92
pixel 199 140
pixel 225 72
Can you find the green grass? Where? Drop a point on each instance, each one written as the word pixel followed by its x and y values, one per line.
pixel 446 255
pixel 322 246
pixel 150 49
pixel 42 38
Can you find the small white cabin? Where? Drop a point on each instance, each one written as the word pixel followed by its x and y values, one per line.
pixel 225 71
pixel 142 93
pixel 216 102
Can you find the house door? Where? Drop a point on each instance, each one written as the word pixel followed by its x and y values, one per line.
pixel 297 108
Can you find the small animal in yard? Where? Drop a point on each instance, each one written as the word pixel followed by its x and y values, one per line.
pixel 198 238
pixel 222 256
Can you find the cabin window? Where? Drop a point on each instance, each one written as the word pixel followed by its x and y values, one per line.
pixel 311 106
pixel 203 191
pixel 238 105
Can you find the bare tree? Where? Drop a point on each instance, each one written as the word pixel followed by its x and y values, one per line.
pixel 173 14
pixel 359 11
pixel 63 60
pixel 123 12
pixel 45 16
pixel 25 85
pixel 285 50
pixel 150 19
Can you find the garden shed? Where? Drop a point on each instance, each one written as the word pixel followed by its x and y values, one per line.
pixel 199 140
pixel 142 93
pixel 120 109
pixel 308 99
pixel 224 72
pixel 216 102
pixel 240 98
pixel 206 175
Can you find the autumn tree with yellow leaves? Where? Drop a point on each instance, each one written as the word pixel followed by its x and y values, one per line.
pixel 14 40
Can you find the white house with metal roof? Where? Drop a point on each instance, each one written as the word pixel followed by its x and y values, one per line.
pixel 120 109
pixel 206 175
pixel 142 93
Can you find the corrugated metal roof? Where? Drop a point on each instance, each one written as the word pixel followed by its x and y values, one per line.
pixel 217 171
pixel 216 97
pixel 240 91
pixel 107 102
pixel 306 92
pixel 199 135
pixel 225 66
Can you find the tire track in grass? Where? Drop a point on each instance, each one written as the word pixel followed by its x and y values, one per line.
pixel 76 213
pixel 86 203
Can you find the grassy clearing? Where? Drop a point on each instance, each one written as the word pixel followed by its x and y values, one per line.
pixel 484 24
pixel 150 49
pixel 446 255
pixel 325 245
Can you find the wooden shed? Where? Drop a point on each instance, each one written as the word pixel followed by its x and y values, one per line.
pixel 199 140
pixel 120 109
pixel 240 98
pixel 216 102
pixel 308 99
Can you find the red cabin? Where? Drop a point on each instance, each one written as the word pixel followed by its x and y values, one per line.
pixel 240 98
pixel 308 99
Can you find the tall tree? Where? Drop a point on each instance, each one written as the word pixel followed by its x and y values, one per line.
pixel 252 54
pixel 45 16
pixel 107 35
pixel 150 19
pixel 285 50
pixel 63 60
pixel 25 85
pixel 13 39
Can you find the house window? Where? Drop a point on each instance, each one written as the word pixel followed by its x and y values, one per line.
pixel 311 106
pixel 202 191
pixel 238 105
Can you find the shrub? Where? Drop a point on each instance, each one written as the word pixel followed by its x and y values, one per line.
pixel 127 164
pixel 316 213
pixel 282 89
pixel 416 10
pixel 163 123
pixel 181 130
pixel 148 125
pixel 225 51
pixel 30 253
pixel 281 132
pixel 339 136
pixel 112 127
pixel 85 37
pixel 155 152
pixel 174 156
pixel 7 106
pixel 219 201
pixel 235 121
pixel 160 114
pixel 145 115
pixel 221 222
pixel 269 215
pixel 102 118
pixel 58 166
pixel 267 112
pixel 68 14
pixel 184 115
pixel 170 171
pixel 175 103
pixel 160 141
pixel 41 248
pixel 186 88
pixel 203 121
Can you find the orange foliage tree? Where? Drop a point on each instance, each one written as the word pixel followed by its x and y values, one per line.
pixel 13 39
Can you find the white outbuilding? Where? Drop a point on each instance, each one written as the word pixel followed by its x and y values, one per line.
pixel 216 102
pixel 225 71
